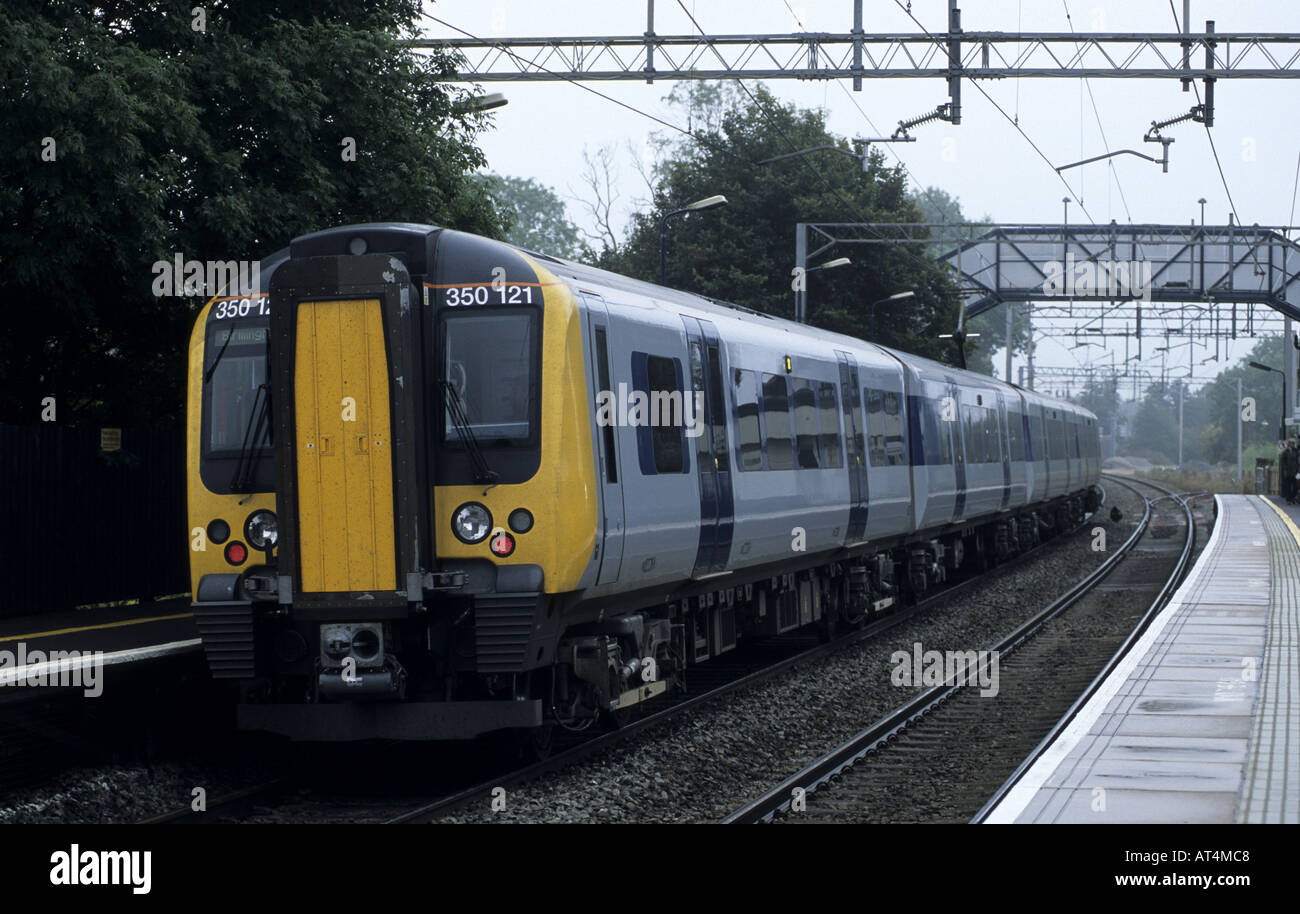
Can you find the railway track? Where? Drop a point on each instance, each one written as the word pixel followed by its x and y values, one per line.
pixel 743 669
pixel 952 736
pixel 480 793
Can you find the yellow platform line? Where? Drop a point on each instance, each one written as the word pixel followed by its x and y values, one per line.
pixel 1295 532
pixel 88 628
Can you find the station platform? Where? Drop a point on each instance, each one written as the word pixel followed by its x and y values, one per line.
pixel 124 634
pixel 1200 722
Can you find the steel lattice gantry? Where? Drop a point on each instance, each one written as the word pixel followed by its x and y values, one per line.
pixel 865 55
pixel 1215 264
pixel 857 55
pixel 1168 265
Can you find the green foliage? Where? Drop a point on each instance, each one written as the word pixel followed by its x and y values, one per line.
pixel 744 252
pixel 1209 414
pixel 1219 439
pixel 219 144
pixel 538 219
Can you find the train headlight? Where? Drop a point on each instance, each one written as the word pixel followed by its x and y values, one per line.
pixel 471 523
pixel 260 529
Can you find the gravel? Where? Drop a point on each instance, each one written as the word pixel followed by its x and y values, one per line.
pixel 710 761
pixel 697 767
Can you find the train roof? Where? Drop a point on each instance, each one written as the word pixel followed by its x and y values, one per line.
pixel 594 279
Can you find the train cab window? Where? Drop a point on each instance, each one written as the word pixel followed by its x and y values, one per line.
pixel 826 402
pixel 235 387
pixel 805 423
pixel 489 359
pixel 665 440
pixel 876 427
pixel 895 454
pixel 751 444
pixel 776 422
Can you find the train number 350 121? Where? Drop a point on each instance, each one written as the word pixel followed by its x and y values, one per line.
pixel 466 296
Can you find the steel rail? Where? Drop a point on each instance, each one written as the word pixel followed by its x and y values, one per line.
pixel 778 799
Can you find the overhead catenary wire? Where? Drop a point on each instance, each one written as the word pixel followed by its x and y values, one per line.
pixel 927 192
pixel 1213 149
pixel 1010 120
pixel 820 175
pixel 1097 114
pixel 703 139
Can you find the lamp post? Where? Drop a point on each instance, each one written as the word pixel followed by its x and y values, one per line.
pixel 897 296
pixel 707 203
pixel 801 305
pixel 1281 429
pixel 483 103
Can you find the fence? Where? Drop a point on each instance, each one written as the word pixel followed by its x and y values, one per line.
pixel 84 525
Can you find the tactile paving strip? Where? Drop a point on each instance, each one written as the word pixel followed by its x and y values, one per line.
pixel 1270 789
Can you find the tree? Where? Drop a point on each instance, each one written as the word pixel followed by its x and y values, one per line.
pixel 140 129
pixel 537 216
pixel 744 253
pixel 1218 437
pixel 1154 434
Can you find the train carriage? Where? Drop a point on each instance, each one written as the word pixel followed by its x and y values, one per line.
pixel 441 486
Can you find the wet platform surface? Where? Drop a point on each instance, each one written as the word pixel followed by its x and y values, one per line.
pixel 1200 723
pixel 124 634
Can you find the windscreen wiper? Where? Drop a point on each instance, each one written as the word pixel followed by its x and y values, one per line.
pixel 207 375
pixel 248 457
pixel 456 411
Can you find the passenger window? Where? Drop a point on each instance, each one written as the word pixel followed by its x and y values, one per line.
pixel 894 452
pixel 945 437
pixel 665 440
pixel 751 445
pixel 826 402
pixel 776 422
pixel 876 427
pixel 805 423
pixel 607 432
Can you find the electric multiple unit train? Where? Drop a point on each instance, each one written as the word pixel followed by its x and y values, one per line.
pixel 441 486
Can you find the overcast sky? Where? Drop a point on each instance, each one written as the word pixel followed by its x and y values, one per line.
pixel 984 162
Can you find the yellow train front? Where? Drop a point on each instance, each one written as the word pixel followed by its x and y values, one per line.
pixel 335 478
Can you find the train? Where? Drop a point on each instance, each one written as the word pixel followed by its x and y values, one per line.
pixel 442 487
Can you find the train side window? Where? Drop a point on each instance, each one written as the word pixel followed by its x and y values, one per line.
pixel 853 428
pixel 826 402
pixel 805 423
pixel 1015 435
pixel 973 434
pixel 607 433
pixel 876 426
pixel 992 438
pixel 944 430
pixel 718 419
pixel 776 422
pixel 751 443
pixel 665 440
pixel 895 452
